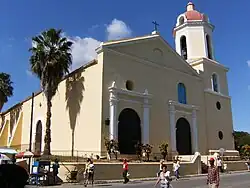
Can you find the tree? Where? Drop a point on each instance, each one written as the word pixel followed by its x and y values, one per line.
pixel 6 89
pixel 240 139
pixel 164 150
pixel 50 61
pixel 246 150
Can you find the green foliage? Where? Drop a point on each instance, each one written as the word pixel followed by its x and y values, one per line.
pixel 246 150
pixel 138 150
pixel 241 139
pixel 164 150
pixel 112 146
pixel 6 89
pixel 50 59
pixel 148 150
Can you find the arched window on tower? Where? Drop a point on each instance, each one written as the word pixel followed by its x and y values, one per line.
pixel 183 42
pixel 215 82
pixel 209 47
pixel 181 20
pixel 182 97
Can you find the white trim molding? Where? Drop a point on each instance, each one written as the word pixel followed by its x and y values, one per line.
pixel 190 110
pixel 210 91
pixel 185 106
pixel 113 102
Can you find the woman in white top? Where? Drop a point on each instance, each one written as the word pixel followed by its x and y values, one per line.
pixel 176 166
pixel 164 178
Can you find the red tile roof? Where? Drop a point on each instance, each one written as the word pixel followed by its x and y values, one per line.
pixel 194 15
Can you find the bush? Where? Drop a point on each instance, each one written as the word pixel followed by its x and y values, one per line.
pixel 138 150
pixel 164 150
pixel 246 150
pixel 148 150
pixel 112 147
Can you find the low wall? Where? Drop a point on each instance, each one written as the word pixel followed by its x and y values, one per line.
pixel 236 165
pixel 113 171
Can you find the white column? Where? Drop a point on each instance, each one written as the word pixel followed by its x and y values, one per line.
pixel 145 120
pixel 113 129
pixel 194 131
pixel 172 127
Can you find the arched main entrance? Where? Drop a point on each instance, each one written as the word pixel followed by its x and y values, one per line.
pixel 38 137
pixel 129 131
pixel 183 137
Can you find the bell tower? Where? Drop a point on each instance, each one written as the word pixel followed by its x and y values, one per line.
pixel 193 35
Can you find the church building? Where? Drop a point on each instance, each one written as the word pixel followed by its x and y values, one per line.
pixel 137 90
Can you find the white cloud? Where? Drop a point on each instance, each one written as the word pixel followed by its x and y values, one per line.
pixel 83 49
pixel 118 30
pixel 29 73
pixel 248 63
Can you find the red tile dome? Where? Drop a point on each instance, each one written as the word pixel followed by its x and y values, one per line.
pixel 192 14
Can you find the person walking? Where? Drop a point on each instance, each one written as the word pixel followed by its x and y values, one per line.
pixel 248 164
pixel 219 164
pixel 125 171
pixel 164 178
pixel 213 176
pixel 89 172
pixel 176 166
pixel 55 168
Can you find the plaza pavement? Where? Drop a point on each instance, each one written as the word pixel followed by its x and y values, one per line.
pixel 230 180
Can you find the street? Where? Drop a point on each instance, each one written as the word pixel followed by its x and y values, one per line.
pixel 239 180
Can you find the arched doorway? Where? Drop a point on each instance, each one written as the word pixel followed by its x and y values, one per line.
pixel 38 137
pixel 129 131
pixel 183 137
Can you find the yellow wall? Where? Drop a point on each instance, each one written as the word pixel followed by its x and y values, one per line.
pixel 4 134
pixel 17 135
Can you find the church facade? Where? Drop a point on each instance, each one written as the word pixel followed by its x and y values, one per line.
pixel 136 90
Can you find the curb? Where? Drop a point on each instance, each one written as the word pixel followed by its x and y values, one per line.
pixel 154 178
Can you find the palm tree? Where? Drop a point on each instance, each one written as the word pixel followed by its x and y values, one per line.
pixel 50 60
pixel 6 89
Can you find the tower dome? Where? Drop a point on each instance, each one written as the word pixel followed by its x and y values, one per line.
pixel 193 34
pixel 192 14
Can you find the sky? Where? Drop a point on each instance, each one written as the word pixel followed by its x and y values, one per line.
pixel 89 22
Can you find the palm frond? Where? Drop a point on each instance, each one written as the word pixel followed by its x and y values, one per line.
pixel 6 89
pixel 51 58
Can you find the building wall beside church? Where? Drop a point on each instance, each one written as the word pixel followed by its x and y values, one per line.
pixel 76 105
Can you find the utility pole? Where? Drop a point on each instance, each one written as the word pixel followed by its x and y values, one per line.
pixel 31 126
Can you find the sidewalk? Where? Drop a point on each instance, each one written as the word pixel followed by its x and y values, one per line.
pixel 154 178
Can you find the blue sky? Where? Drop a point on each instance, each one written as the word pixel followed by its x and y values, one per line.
pixel 88 22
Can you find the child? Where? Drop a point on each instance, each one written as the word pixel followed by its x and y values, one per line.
pixel 164 179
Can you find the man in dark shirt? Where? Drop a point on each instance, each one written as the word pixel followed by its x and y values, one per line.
pixel 213 176
pixel 55 170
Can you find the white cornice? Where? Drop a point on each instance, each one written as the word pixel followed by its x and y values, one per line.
pixel 194 23
pixel 135 39
pixel 216 93
pixel 186 106
pixel 211 62
pixel 113 88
